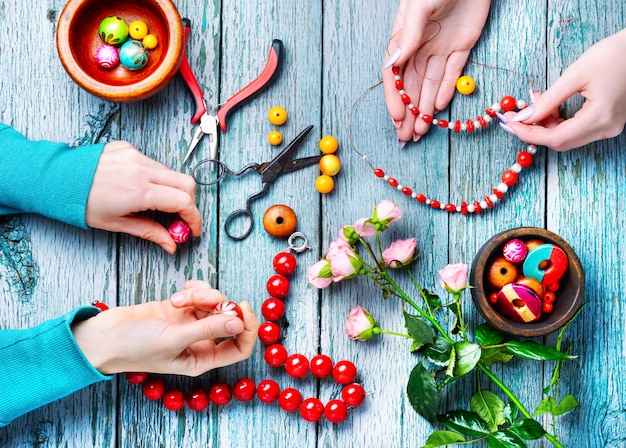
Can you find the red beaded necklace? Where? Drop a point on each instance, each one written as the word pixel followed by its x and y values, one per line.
pixel 509 177
pixel 321 366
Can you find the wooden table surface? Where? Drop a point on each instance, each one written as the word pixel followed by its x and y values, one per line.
pixel 333 52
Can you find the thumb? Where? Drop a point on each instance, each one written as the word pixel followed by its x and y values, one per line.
pixel 146 228
pixel 213 327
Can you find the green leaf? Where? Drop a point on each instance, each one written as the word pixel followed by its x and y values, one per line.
pixel 487 335
pixel 432 298
pixel 418 329
pixel 422 392
pixel 455 307
pixel 527 429
pixel 505 439
pixel 567 404
pixel 466 422
pixel 467 356
pixel 546 406
pixel 416 346
pixel 492 355
pixel 490 408
pixel 536 352
pixel 510 413
pixel 443 438
pixel 451 363
pixel 439 352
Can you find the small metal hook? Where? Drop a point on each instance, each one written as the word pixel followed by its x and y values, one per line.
pixel 298 249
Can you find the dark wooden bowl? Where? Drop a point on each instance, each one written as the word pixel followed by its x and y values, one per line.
pixel 569 296
pixel 77 41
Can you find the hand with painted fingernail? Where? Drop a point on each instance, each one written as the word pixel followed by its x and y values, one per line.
pixel 430 43
pixel 599 76
pixel 177 336
pixel 126 183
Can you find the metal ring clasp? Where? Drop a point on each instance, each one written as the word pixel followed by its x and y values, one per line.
pixel 298 236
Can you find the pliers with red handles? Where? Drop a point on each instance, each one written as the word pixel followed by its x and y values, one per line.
pixel 209 123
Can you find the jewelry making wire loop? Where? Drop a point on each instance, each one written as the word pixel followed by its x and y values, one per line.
pixel 298 249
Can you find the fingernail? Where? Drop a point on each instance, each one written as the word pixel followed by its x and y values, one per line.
pixel 392 58
pixel 246 305
pixel 416 136
pixel 507 129
pixel 524 114
pixel 233 326
pixel 401 143
pixel 533 97
pixel 397 123
pixel 502 118
pixel 178 298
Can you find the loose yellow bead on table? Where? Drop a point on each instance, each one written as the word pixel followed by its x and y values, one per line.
pixel 277 115
pixel 138 30
pixel 465 85
pixel 330 164
pixel 324 184
pixel 329 144
pixel 150 41
pixel 275 138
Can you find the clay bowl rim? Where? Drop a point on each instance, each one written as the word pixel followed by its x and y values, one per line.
pixel 142 89
pixel 575 276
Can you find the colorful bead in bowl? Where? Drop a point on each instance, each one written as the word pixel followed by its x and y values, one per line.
pixel 107 56
pixel 133 55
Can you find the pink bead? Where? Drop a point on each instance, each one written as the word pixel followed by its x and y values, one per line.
pixel 179 231
pixel 515 250
pixel 107 56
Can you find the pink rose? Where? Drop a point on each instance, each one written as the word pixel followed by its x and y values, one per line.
pixel 385 213
pixel 320 274
pixel 344 263
pixel 399 253
pixel 336 246
pixel 453 278
pixel 360 324
pixel 364 228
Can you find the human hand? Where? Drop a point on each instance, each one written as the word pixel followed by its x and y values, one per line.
pixel 599 75
pixel 430 43
pixel 128 182
pixel 176 336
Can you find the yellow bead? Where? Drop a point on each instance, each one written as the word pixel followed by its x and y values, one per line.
pixel 329 144
pixel 277 115
pixel 465 85
pixel 324 184
pixel 275 138
pixel 138 30
pixel 330 164
pixel 150 41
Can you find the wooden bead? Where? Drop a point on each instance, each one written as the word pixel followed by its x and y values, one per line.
pixel 280 221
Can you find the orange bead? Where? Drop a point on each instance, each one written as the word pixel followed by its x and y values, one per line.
pixel 324 184
pixel 280 221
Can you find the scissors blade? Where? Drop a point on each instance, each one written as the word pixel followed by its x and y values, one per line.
pixel 298 164
pixel 275 168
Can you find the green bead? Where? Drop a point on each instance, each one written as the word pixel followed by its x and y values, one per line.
pixel 113 30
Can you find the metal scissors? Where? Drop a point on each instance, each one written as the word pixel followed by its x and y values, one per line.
pixel 269 171
pixel 209 123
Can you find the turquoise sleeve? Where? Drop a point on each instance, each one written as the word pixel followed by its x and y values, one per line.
pixel 51 179
pixel 43 364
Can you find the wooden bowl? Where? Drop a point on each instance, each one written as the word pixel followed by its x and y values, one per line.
pixel 77 41
pixel 569 296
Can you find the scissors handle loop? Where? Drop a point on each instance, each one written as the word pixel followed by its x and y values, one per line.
pixel 219 173
pixel 244 214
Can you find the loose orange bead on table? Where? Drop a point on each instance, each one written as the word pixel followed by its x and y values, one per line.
pixel 324 184
pixel 330 165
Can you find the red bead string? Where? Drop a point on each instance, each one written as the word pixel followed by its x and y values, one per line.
pixel 296 365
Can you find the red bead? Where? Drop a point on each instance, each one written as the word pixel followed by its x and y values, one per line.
pixel 488 201
pixel 457 126
pixel 344 372
pixel 482 121
pixel 353 395
pixel 174 399
pixel 450 208
pixel 477 207
pixel 442 123
pixel 269 333
pixel 179 231
pixel 399 84
pixel 321 366
pixel 311 409
pixel 153 388
pixel 509 177
pixel 275 355
pixel 420 198
pixel 415 111
pixel 101 306
pixel 335 411
pixel 278 286
pixel 508 103
pixel 197 399
pixel 549 296
pixel 493 297
pixel 391 181
pixel 525 159
pixel 470 125
pixel 407 191
pixel 273 309
pixel 434 203
pixel 498 193
pixel 547 307
pixel 244 389
pixel 378 172
pixel 220 393
pixel 464 208
pixel 297 365
pixel 284 263
pixel 229 308
pixel 492 113
pixel 553 286
pixel 405 98
pixel 290 399
pixel 136 377
pixel 395 70
pixel 427 118
pixel 268 391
